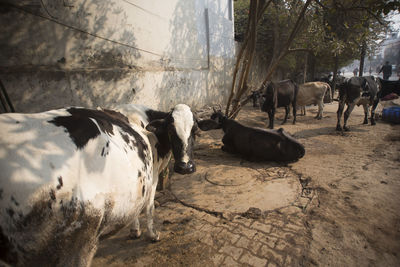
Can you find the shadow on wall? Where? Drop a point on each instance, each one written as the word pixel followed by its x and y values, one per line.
pixel 60 53
pixel 201 57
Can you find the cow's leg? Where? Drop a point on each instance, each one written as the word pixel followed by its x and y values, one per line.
pixel 271 115
pixel 294 112
pixel 303 110
pixel 228 144
pixel 347 113
pixel 286 114
pixel 153 234
pixel 339 115
pixel 376 101
pixel 365 106
pixel 135 230
pixel 320 109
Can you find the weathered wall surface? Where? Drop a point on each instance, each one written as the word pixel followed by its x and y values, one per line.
pixel 92 53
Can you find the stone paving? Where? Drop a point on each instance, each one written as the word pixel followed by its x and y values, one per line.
pixel 197 237
pixel 275 238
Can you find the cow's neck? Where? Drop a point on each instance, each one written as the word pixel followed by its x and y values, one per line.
pixel 162 151
pixel 227 124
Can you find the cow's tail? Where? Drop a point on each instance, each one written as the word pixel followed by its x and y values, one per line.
pixel 329 92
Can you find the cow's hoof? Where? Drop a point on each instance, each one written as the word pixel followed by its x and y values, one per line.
pixel 365 122
pixel 155 237
pixel 346 128
pixel 338 128
pixel 373 122
pixel 135 234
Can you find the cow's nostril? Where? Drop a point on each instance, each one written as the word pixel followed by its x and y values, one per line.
pixel 185 168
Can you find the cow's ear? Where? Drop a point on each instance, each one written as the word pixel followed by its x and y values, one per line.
pixel 157 126
pixel 206 125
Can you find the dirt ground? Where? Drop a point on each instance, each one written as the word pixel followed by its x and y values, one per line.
pixel 337 206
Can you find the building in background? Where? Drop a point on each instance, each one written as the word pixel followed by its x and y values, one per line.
pixel 90 53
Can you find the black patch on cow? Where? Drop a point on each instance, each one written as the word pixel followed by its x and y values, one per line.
pixel 14 201
pixel 60 183
pixel 102 152
pixel 142 124
pixel 7 251
pixel 52 197
pixel 155 114
pixel 1 193
pixel 143 190
pixel 52 194
pixel 81 128
pixel 139 173
pixel 10 212
pixel 108 144
pixel 162 150
pixel 125 137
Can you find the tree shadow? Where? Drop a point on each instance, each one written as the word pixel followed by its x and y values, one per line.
pixel 200 55
pixel 67 53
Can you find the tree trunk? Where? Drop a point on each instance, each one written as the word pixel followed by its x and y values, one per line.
pixel 305 68
pixel 335 71
pixel 312 67
pixel 362 59
pixel 242 85
pixel 246 54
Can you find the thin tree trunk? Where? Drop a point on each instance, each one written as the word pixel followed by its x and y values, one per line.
pixel 335 71
pixel 274 64
pixel 286 47
pixel 305 68
pixel 246 54
pixel 362 59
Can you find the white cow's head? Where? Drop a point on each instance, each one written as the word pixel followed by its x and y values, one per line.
pixel 177 132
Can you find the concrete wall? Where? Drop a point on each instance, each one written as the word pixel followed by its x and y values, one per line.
pixel 90 53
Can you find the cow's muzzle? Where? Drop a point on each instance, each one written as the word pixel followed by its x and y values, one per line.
pixel 185 168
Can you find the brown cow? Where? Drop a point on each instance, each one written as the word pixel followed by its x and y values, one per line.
pixel 312 93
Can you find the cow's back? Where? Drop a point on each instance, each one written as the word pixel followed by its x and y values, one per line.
pixel 310 93
pixel 287 92
pixel 63 184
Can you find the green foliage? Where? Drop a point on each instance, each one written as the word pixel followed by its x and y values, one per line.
pixel 331 28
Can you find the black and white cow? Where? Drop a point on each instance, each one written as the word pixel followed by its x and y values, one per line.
pixel 70 175
pixel 279 94
pixel 357 91
pixel 254 144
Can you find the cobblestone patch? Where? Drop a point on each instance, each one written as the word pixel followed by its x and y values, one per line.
pixel 203 237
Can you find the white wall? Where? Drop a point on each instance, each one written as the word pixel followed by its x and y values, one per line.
pixel 99 52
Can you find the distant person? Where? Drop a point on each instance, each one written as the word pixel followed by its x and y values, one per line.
pixel 355 71
pixel 387 70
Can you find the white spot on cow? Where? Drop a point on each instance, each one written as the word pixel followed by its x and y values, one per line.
pixel 183 121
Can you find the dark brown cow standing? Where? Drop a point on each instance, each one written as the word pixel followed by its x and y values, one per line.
pixel 279 94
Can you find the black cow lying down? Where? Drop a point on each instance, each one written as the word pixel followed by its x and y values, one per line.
pixel 255 144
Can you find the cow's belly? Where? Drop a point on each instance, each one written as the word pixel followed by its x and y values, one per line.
pixel 363 101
